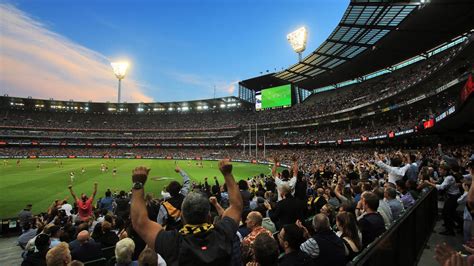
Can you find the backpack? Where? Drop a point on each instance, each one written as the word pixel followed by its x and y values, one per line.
pixel 206 248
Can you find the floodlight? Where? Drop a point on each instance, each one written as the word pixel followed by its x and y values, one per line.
pixel 298 40
pixel 120 69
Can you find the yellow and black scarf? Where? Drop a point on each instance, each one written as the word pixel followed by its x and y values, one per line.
pixel 194 229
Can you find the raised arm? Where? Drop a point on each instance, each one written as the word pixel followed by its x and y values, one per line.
pixel 186 181
pixel 274 168
pixel 219 209
pixel 72 193
pixel 146 229
pixel 95 190
pixel 234 211
pixel 294 158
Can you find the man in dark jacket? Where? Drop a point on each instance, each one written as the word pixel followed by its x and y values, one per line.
pixel 287 210
pixel 87 250
pixel 325 247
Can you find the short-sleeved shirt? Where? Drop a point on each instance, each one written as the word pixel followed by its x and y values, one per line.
pixel 84 208
pixel 213 247
pixel 250 238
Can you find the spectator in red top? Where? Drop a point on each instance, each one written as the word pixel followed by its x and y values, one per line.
pixel 84 205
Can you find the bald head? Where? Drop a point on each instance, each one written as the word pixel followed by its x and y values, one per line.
pixel 254 219
pixel 83 236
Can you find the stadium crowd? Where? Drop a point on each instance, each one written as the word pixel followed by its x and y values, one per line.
pixel 324 209
pixel 424 75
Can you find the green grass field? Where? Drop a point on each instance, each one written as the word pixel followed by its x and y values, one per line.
pixel 41 186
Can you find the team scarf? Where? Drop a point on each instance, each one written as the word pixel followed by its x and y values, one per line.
pixel 194 229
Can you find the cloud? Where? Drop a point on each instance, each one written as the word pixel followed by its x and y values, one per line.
pixel 207 83
pixel 37 62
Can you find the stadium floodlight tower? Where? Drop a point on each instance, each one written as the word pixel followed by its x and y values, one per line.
pixel 120 69
pixel 298 40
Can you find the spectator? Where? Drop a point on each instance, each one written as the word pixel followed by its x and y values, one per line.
pixel 107 238
pixel 59 255
pixel 38 257
pixel 317 202
pixel 29 232
pixel 467 217
pixel 449 185
pixel 84 204
pixel 25 215
pixel 412 171
pixel 170 210
pixel 254 224
pixel 246 195
pixel 405 196
pixel 347 226
pixel 123 205
pixel 87 250
pixel 107 202
pixel 395 170
pixel 285 176
pixel 124 251
pixel 66 207
pixel 371 223
pixel 186 246
pixel 325 247
pixel 54 234
pixel 384 208
pixel 395 205
pixel 286 211
pixel 265 250
pixel 290 238
pixel 148 257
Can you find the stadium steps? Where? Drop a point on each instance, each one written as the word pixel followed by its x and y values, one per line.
pixel 10 253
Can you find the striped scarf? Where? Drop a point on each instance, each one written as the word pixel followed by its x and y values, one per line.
pixel 195 229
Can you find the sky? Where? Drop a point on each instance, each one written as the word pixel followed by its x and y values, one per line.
pixel 178 50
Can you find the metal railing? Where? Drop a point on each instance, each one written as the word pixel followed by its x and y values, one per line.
pixel 404 242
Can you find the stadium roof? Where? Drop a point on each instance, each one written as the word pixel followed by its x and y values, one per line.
pixel 373 35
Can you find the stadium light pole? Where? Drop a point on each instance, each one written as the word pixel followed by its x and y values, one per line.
pixel 120 69
pixel 298 40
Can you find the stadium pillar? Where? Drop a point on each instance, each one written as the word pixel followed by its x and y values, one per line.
pixel 264 155
pixel 256 142
pixel 250 141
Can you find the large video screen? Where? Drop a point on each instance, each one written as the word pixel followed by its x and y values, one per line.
pixel 273 97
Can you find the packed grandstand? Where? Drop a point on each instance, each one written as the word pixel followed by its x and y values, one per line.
pixel 368 153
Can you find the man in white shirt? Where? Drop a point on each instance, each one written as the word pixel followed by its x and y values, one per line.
pixel 285 175
pixel 395 171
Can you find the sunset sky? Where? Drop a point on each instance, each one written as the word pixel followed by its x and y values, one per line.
pixel 178 50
